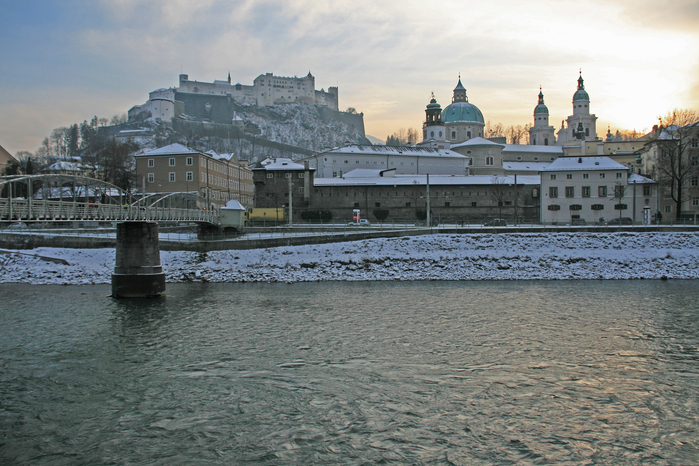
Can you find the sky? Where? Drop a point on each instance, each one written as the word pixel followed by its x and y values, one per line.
pixel 63 61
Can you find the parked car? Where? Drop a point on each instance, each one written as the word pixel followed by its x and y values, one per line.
pixel 578 221
pixel 620 221
pixel 496 222
pixel 362 223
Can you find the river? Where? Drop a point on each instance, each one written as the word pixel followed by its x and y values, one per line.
pixel 472 373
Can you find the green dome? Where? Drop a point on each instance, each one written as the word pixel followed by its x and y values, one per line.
pixel 541 108
pixel 581 94
pixel 462 112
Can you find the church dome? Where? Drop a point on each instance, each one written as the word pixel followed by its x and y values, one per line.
pixel 541 108
pixel 580 94
pixel 462 112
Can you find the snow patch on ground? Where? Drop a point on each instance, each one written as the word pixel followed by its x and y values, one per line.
pixel 534 256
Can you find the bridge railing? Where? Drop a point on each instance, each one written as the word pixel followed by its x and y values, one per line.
pixel 51 211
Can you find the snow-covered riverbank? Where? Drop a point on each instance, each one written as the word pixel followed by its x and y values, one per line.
pixel 546 256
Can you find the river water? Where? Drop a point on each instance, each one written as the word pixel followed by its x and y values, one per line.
pixel 472 373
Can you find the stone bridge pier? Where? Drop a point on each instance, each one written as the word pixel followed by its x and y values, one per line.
pixel 137 272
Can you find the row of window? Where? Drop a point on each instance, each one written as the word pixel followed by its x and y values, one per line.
pixel 601 191
pixel 189 161
pixel 270 175
pixel 576 207
pixel 585 176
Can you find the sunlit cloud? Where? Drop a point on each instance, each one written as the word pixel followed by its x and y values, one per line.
pixel 639 59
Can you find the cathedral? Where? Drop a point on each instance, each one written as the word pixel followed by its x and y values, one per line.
pixel 461 121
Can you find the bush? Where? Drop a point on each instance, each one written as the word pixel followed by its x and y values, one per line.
pixel 317 215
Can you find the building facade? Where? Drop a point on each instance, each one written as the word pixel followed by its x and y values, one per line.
pixel 176 168
pixel 451 198
pixel 594 190
pixel 337 162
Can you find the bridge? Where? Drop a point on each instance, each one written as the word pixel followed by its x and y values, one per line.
pixel 66 198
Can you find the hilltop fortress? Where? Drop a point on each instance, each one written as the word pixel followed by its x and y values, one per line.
pixel 212 101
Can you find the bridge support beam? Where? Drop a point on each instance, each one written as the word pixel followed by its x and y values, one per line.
pixel 137 272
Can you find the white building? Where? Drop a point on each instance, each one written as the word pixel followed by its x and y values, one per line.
pixel 335 163
pixel 594 188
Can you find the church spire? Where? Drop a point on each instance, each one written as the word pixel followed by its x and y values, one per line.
pixel 581 86
pixel 460 92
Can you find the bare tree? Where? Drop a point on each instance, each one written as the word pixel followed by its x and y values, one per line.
pixel 677 143
pixel 518 134
pixel 494 131
pixel 500 190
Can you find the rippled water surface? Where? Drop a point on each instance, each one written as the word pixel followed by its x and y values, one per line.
pixel 352 373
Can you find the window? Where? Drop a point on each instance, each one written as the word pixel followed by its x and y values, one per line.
pixel 356 205
pixel 172 162
pixel 695 201
pixel 585 191
pixel 151 163
pixel 190 176
pixel 647 191
pixel 694 181
pixel 301 174
pixel 378 204
pixel 569 176
pixel 407 204
pixel 287 175
pixel 601 175
pixel 553 191
pixel 151 178
pixel 575 207
pixel 586 176
pixel 695 142
pixel 190 161
pixel 554 207
pixel 553 177
pixel 570 191
pixel 602 191
pixel 446 204
pixel 694 161
pixel 270 175
pixel 468 134
pixel 301 190
pixel 597 207
pixel 668 209
pixel 619 191
pixel 546 141
pixel 474 204
pixel 619 175
pixel 172 176
pixel 489 161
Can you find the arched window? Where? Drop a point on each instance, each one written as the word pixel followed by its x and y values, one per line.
pixel 546 141
pixel 587 131
pixel 440 134
pixel 431 134
pixel 534 141
pixel 489 161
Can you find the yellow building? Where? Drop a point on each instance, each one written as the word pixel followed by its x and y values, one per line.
pixel 176 168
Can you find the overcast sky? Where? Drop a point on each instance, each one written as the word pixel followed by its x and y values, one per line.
pixel 63 61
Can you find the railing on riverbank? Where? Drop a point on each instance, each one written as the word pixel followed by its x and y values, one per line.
pixel 189 237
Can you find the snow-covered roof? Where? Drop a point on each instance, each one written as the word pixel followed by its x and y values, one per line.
pixel 478 142
pixel 280 164
pixel 553 150
pixel 65 166
pixel 357 149
pixel 635 178
pixel 233 205
pixel 172 149
pixel 435 180
pixel 525 166
pixel 363 173
pixel 583 163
